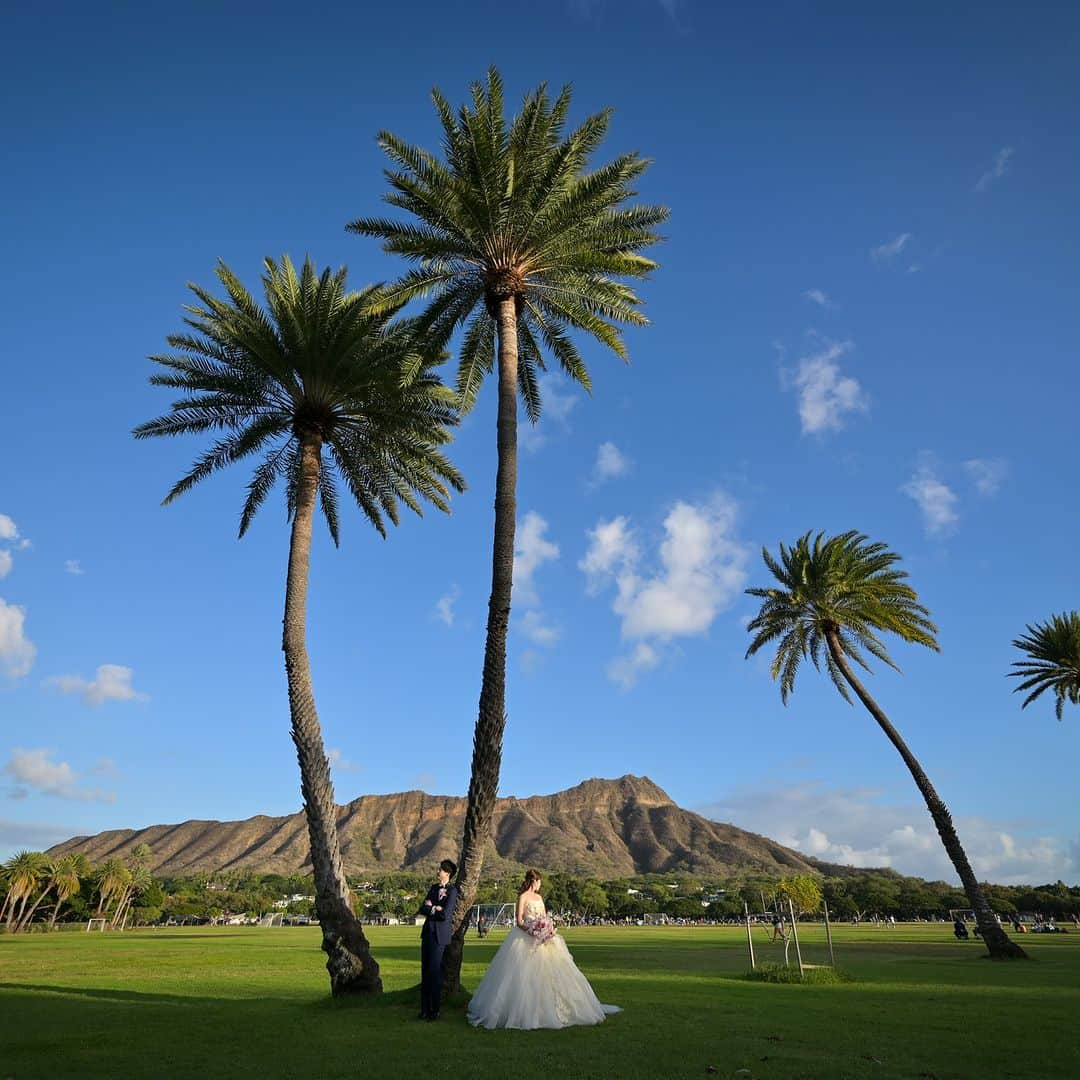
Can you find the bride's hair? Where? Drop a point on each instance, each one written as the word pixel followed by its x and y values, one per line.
pixel 531 878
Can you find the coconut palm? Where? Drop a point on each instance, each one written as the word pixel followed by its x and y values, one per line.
pixel 24 872
pixel 516 241
pixel 69 871
pixel 1053 660
pixel 833 595
pixel 326 391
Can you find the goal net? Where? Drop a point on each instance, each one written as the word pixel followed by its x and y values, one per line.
pixel 95 924
pixel 487 917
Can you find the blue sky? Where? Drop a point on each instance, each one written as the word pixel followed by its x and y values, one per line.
pixel 865 318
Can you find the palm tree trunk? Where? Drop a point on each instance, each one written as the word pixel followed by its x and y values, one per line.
pixel 999 944
pixel 491 721
pixel 56 910
pixel 25 921
pixel 7 902
pixel 125 898
pixel 349 961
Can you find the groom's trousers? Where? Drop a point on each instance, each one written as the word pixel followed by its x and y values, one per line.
pixel 431 954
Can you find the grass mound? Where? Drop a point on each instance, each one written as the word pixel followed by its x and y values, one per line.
pixel 813 976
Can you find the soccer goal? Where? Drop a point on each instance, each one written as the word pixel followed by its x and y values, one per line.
pixel 487 917
pixel 273 919
pixel 99 923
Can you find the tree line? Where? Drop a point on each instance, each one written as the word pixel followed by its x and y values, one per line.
pixel 119 890
pixel 68 889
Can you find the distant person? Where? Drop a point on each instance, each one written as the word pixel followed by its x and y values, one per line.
pixel 778 933
pixel 959 929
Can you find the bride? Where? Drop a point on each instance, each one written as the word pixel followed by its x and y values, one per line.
pixel 533 981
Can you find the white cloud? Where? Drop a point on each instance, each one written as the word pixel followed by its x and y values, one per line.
pixel 987 474
pixel 17 651
pixel 887 251
pixel 33 770
pixel 560 395
pixel 531 551
pixel 997 170
pixel 826 397
pixel 855 827
pixel 625 670
pixel 701 569
pixel 611 462
pixel 611 544
pixel 74 566
pixel 818 297
pixel 11 541
pixel 340 762
pixel 935 499
pixel 112 682
pixel 444 606
pixel 536 629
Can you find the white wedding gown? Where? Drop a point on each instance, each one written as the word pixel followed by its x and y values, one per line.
pixel 528 985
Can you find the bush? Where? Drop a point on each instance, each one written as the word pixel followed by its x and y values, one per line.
pixel 815 976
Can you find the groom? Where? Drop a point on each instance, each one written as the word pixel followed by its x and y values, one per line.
pixel 438 912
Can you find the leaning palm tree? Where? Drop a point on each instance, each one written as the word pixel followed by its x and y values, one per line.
pixel 70 871
pixel 833 595
pixel 324 390
pixel 514 239
pixel 112 878
pixel 1053 660
pixel 25 872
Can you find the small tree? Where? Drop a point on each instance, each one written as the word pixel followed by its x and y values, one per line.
pixel 804 893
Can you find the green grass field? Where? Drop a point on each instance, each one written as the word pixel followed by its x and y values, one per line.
pixel 250 1002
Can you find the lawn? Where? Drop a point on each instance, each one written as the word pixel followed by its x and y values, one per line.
pixel 252 1002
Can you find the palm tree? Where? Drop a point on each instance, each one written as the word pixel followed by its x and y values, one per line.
pixel 321 387
pixel 24 872
pixel 833 596
pixel 113 878
pixel 514 240
pixel 1053 660
pixel 70 870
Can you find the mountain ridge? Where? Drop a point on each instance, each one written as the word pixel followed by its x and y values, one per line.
pixel 605 828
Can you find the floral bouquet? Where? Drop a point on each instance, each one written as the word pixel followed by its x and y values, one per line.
pixel 541 928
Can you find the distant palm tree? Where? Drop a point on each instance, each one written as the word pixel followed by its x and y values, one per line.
pixel 833 595
pixel 112 879
pixel 1053 660
pixel 24 873
pixel 70 871
pixel 516 241
pixel 319 386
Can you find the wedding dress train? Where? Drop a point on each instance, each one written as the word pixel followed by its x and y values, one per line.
pixel 531 985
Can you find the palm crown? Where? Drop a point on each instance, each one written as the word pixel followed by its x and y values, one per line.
pixel 318 363
pixel 1053 660
pixel 513 212
pixel 842 586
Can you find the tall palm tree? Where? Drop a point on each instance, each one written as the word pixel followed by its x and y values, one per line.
pixel 831 598
pixel 321 387
pixel 1053 660
pixel 70 871
pixel 514 239
pixel 24 872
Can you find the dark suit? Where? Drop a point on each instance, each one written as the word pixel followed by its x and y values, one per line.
pixel 434 937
